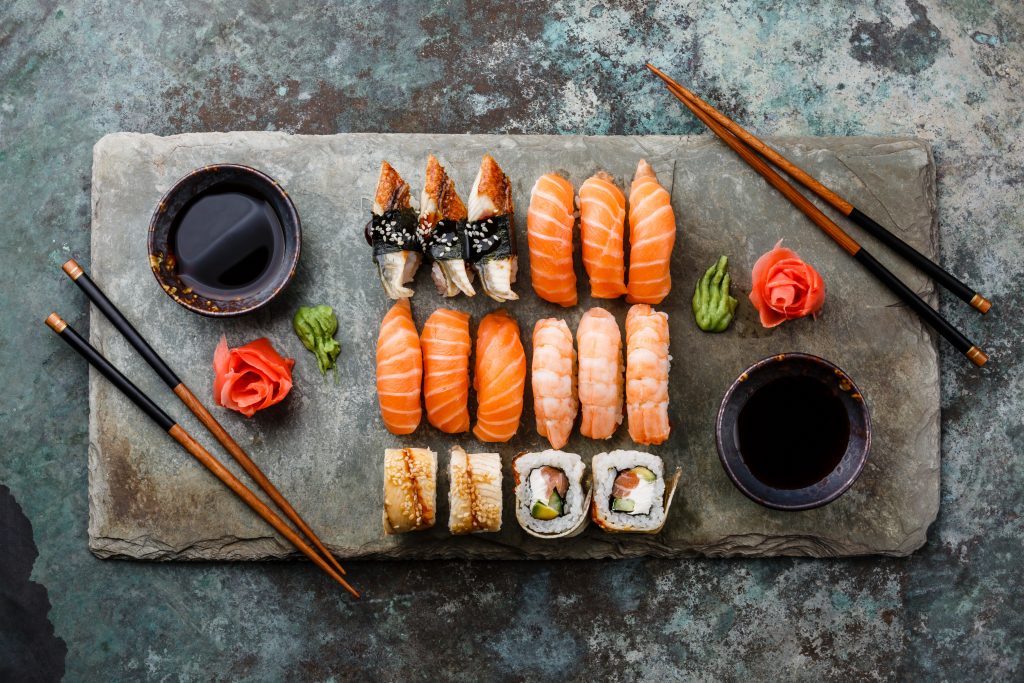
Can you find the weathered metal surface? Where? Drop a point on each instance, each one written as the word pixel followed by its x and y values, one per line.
pixel 324 445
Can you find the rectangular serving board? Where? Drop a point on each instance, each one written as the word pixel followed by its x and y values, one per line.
pixel 324 444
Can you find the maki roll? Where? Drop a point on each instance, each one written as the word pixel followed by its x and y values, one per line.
pixel 550 500
pixel 631 493
pixel 393 234
pixel 443 231
pixel 410 489
pixel 490 245
pixel 474 499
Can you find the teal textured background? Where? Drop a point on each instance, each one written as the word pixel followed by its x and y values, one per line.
pixel 951 73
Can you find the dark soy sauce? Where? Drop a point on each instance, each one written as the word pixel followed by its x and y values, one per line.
pixel 792 432
pixel 228 244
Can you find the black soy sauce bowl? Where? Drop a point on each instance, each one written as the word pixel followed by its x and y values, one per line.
pixel 850 465
pixel 212 178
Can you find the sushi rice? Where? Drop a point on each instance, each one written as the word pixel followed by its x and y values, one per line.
pixel 574 518
pixel 605 467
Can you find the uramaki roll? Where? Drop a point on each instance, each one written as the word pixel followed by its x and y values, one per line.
pixel 410 489
pixel 631 492
pixel 550 498
pixel 474 496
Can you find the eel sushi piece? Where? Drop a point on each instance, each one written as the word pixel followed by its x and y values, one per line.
pixel 410 489
pixel 550 498
pixel 392 232
pixel 442 231
pixel 631 493
pixel 490 244
pixel 474 499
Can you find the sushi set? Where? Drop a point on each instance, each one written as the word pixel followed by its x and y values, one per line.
pixel 550 475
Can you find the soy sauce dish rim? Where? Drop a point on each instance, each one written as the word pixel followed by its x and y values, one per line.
pixel 180 195
pixel 842 477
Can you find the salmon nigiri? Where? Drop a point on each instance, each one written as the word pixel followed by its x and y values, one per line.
pixel 491 231
pixel 442 228
pixel 499 377
pixel 602 224
pixel 553 376
pixel 647 365
pixel 549 224
pixel 445 343
pixel 599 343
pixel 392 233
pixel 652 234
pixel 399 370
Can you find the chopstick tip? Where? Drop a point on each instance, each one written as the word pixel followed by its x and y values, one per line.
pixel 56 323
pixel 73 270
pixel 981 303
pixel 977 356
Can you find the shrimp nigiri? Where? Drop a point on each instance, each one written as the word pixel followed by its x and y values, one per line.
pixel 442 228
pixel 446 346
pixel 399 370
pixel 602 223
pixel 499 377
pixel 652 234
pixel 549 225
pixel 391 232
pixel 599 344
pixel 490 234
pixel 554 380
pixel 647 366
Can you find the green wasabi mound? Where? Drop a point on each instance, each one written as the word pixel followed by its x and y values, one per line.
pixel 712 306
pixel 316 326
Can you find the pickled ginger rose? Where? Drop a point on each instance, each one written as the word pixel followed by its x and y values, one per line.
pixel 784 287
pixel 251 377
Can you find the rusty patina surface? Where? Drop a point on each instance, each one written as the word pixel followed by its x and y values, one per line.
pixel 952 73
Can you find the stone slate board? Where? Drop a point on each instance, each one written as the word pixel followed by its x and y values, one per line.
pixel 323 445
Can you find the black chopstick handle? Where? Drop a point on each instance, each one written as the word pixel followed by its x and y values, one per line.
pixel 926 265
pixel 921 307
pixel 117 319
pixel 105 368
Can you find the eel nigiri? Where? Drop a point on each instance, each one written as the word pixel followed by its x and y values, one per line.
pixel 599 344
pixel 490 235
pixel 499 377
pixel 399 370
pixel 553 376
pixel 549 227
pixel 647 366
pixel 446 345
pixel 392 233
pixel 652 234
pixel 443 230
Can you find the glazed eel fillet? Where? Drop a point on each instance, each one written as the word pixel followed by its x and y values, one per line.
pixel 391 232
pixel 442 228
pixel 490 233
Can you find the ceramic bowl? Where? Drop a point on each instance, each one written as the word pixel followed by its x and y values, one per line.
pixel 227 176
pixel 850 464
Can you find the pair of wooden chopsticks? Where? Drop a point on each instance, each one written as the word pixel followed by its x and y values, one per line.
pixel 330 565
pixel 748 146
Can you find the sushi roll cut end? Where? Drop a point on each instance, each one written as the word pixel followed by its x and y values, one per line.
pixel 631 492
pixel 550 498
